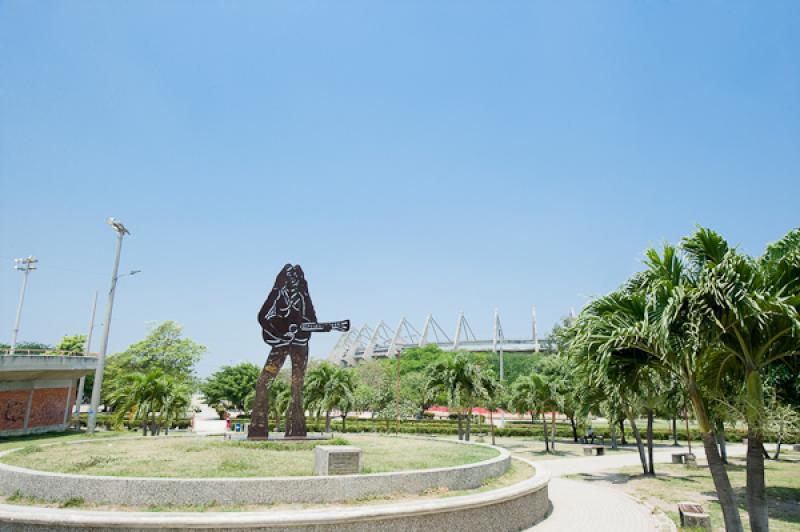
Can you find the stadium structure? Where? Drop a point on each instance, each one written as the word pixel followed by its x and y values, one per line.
pixel 381 341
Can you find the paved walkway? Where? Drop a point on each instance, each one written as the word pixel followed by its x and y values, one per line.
pixel 206 421
pixel 580 505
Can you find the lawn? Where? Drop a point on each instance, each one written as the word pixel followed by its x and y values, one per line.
pixel 676 483
pixel 212 457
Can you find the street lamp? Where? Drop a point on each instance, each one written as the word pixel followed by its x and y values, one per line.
pixel 25 265
pixel 121 230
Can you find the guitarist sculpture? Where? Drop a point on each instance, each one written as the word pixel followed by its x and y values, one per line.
pixel 287 319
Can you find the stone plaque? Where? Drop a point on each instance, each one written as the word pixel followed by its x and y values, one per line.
pixel 337 460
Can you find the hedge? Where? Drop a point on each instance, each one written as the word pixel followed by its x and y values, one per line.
pixel 108 422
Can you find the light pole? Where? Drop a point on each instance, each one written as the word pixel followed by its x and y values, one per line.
pixel 25 265
pixel 79 398
pixel 101 358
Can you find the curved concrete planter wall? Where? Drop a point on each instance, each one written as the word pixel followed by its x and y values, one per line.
pixel 266 490
pixel 515 507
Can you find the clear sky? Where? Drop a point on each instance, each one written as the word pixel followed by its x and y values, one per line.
pixel 412 156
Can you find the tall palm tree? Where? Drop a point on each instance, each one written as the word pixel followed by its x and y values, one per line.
pixel 644 324
pixel 753 305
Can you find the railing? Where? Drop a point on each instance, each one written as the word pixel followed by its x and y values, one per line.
pixel 44 352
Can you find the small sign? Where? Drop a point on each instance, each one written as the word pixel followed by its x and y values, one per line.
pixel 337 460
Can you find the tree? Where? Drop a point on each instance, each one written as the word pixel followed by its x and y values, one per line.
pixel 163 349
pixel 70 345
pixel 330 388
pixel 143 396
pixel 232 384
pixel 652 321
pixel 753 306
pixel 460 381
pixel 532 394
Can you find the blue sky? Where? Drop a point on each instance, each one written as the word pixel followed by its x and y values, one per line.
pixel 414 157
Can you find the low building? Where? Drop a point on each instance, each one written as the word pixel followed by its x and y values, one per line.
pixel 37 392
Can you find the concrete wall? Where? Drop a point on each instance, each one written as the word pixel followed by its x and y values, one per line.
pixel 37 393
pixel 512 508
pixel 268 490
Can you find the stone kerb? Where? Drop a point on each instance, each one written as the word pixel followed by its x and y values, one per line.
pixel 514 507
pixel 263 490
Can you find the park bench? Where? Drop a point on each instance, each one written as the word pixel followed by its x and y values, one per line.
pixel 589 450
pixel 684 458
pixel 693 516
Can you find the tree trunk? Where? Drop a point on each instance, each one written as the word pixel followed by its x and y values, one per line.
pixel 622 431
pixel 491 425
pixel 144 428
pixel 469 425
pixel 574 429
pixel 651 467
pixel 327 421
pixel 727 501
pixel 344 423
pixel 553 439
pixel 777 450
pixel 764 452
pixel 613 428
pixel 460 428
pixel 756 485
pixel 723 449
pixel 675 431
pixel 756 488
pixel 639 445
pixel 546 437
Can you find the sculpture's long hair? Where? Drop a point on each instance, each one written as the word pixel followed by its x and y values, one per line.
pixel 282 282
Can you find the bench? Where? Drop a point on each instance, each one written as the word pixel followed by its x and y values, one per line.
pixel 693 516
pixel 684 458
pixel 589 450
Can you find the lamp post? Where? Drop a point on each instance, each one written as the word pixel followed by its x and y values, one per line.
pixel 101 358
pixel 25 265
pixel 82 382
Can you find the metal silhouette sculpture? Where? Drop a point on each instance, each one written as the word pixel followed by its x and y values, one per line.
pixel 287 319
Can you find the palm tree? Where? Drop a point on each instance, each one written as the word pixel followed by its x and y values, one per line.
pixel 316 385
pixel 141 396
pixel 648 323
pixel 532 393
pixel 754 308
pixel 460 380
pixel 279 397
pixel 339 395
pixel 176 402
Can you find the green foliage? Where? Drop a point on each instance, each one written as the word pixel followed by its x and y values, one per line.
pixel 232 384
pixel 163 349
pixel 70 345
pixel 37 347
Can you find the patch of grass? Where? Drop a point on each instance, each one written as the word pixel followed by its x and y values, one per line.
pixel 283 446
pixel 73 502
pixel 211 457
pixel 676 483
pixel 30 449
pixel 93 461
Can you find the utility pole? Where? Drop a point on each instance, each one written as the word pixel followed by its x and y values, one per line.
pixel 101 359
pixel 25 265
pixel 82 382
